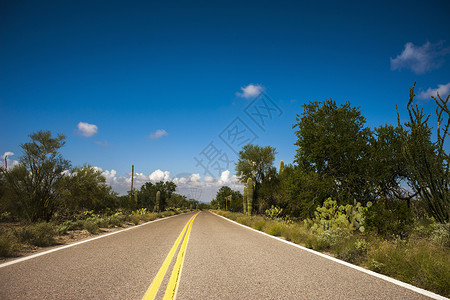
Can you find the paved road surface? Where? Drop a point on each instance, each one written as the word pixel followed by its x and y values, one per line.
pixel 223 261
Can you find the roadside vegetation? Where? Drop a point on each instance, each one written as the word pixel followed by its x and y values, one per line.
pixel 379 198
pixel 44 199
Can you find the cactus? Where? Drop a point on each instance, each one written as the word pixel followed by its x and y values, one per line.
pixel 244 199
pixel 158 196
pixel 135 199
pixel 132 177
pixel 249 196
pixel 281 167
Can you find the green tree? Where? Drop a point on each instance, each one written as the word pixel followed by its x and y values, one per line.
pixel 147 194
pixel 85 188
pixel 334 144
pixel 221 197
pixel 256 162
pixel 33 182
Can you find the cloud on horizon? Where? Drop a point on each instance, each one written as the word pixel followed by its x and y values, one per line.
pixel 86 129
pixel 442 89
pixel 190 185
pixel 250 91
pixel 420 59
pixel 158 133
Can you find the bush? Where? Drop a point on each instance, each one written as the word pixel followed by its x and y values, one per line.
pixel 8 243
pixel 274 228
pixel 91 225
pixel 389 219
pixel 40 234
pixel 417 262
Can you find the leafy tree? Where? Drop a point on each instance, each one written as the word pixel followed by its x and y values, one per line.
pixel 254 162
pixel 223 193
pixel 388 168
pixel 85 188
pixel 147 194
pixel 334 144
pixel 32 184
pixel 427 161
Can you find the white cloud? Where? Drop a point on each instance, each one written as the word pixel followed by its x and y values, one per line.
pixel 158 133
pixel 11 163
pixel 442 89
pixel 420 59
pixel 188 184
pixel 250 91
pixel 86 129
pixel 102 143
pixel 209 179
pixel 7 154
pixel 159 175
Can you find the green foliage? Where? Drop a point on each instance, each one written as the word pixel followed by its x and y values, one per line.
pixel 38 234
pixel 8 243
pixel 236 199
pixel 146 197
pixel 32 193
pixel 281 167
pixel 254 162
pixel 249 196
pixel 389 219
pixel 333 143
pixel 417 262
pixel 427 161
pixel 85 188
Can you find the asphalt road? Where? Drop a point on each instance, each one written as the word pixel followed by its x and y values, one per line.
pixel 223 261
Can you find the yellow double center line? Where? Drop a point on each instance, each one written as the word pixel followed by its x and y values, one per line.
pixel 172 286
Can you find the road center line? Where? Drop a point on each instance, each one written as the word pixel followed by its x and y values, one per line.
pixel 172 286
pixel 154 286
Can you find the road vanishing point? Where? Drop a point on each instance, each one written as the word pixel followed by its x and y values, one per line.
pixel 196 255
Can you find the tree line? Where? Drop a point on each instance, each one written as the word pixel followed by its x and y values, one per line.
pixel 44 186
pixel 402 169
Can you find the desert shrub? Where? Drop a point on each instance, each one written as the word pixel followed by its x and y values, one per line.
pixel 135 219
pixel 38 234
pixel 91 225
pixel 259 224
pixel 389 219
pixel 296 232
pixel 441 234
pixel 417 262
pixel 274 228
pixel 8 243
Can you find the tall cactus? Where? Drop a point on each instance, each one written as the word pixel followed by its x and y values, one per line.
pixel 244 199
pixel 132 179
pixel 281 166
pixel 158 196
pixel 249 196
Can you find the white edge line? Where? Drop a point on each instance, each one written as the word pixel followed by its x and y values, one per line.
pixel 384 277
pixel 81 242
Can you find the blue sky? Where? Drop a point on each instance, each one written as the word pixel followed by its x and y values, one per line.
pixel 161 85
